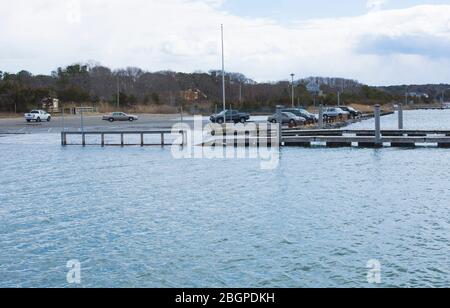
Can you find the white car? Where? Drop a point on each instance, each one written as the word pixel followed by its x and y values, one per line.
pixel 38 116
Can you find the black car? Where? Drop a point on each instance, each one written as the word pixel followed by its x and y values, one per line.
pixel 230 116
pixel 353 112
pixel 310 118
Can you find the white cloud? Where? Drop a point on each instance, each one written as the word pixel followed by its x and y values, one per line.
pixel 184 35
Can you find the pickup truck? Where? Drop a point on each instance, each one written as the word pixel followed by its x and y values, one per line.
pixel 38 116
pixel 230 116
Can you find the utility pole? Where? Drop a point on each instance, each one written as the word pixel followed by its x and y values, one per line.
pixel 339 98
pixel 82 119
pixel 223 74
pixel 118 92
pixel 240 93
pixel 62 118
pixel 293 91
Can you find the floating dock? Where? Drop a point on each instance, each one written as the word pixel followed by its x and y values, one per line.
pixel 337 138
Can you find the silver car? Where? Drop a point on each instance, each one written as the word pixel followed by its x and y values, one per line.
pixel 288 118
pixel 120 116
pixel 332 113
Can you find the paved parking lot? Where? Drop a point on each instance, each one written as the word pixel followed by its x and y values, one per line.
pixel 92 123
pixel 95 123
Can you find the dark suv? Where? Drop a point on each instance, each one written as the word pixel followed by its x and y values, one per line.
pixel 230 116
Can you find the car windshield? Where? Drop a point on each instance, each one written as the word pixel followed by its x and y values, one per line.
pixel 305 112
pixel 34 111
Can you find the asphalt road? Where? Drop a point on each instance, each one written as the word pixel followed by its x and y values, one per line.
pixel 95 123
pixel 90 123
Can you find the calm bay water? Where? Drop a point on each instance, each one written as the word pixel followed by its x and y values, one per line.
pixel 136 217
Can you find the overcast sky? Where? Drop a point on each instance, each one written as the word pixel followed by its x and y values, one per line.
pixel 378 42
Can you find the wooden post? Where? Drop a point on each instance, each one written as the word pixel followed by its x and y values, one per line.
pixel 103 140
pixel 378 125
pixel 122 142
pixel 83 139
pixel 400 116
pixel 142 139
pixel 321 117
pixel 280 124
pixel 162 139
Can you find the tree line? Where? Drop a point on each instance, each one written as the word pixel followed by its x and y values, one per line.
pixel 95 84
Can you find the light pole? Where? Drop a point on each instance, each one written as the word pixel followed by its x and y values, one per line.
pixel 118 92
pixel 223 76
pixel 293 91
pixel 240 93
pixel 443 97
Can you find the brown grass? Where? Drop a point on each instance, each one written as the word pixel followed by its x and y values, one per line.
pixel 4 115
pixel 162 109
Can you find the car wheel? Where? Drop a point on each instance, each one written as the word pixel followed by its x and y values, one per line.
pixel 49 119
pixel 243 120
pixel 38 120
pixel 292 122
pixel 131 119
pixel 111 120
pixel 28 121
pixel 220 121
pixel 274 121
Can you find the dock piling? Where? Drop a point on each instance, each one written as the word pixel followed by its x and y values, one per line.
pixel 378 141
pixel 321 116
pixel 400 116
pixel 280 124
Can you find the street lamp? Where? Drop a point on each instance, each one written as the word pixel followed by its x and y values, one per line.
pixel 118 92
pixel 293 91
pixel 443 97
pixel 223 74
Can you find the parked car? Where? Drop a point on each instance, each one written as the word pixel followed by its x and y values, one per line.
pixel 38 116
pixel 332 113
pixel 120 116
pixel 288 118
pixel 230 116
pixel 352 111
pixel 309 117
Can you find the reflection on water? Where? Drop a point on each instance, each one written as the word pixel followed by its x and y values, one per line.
pixel 136 217
pixel 418 119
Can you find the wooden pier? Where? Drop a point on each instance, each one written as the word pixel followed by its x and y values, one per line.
pixel 335 138
pixel 141 134
pixel 366 138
